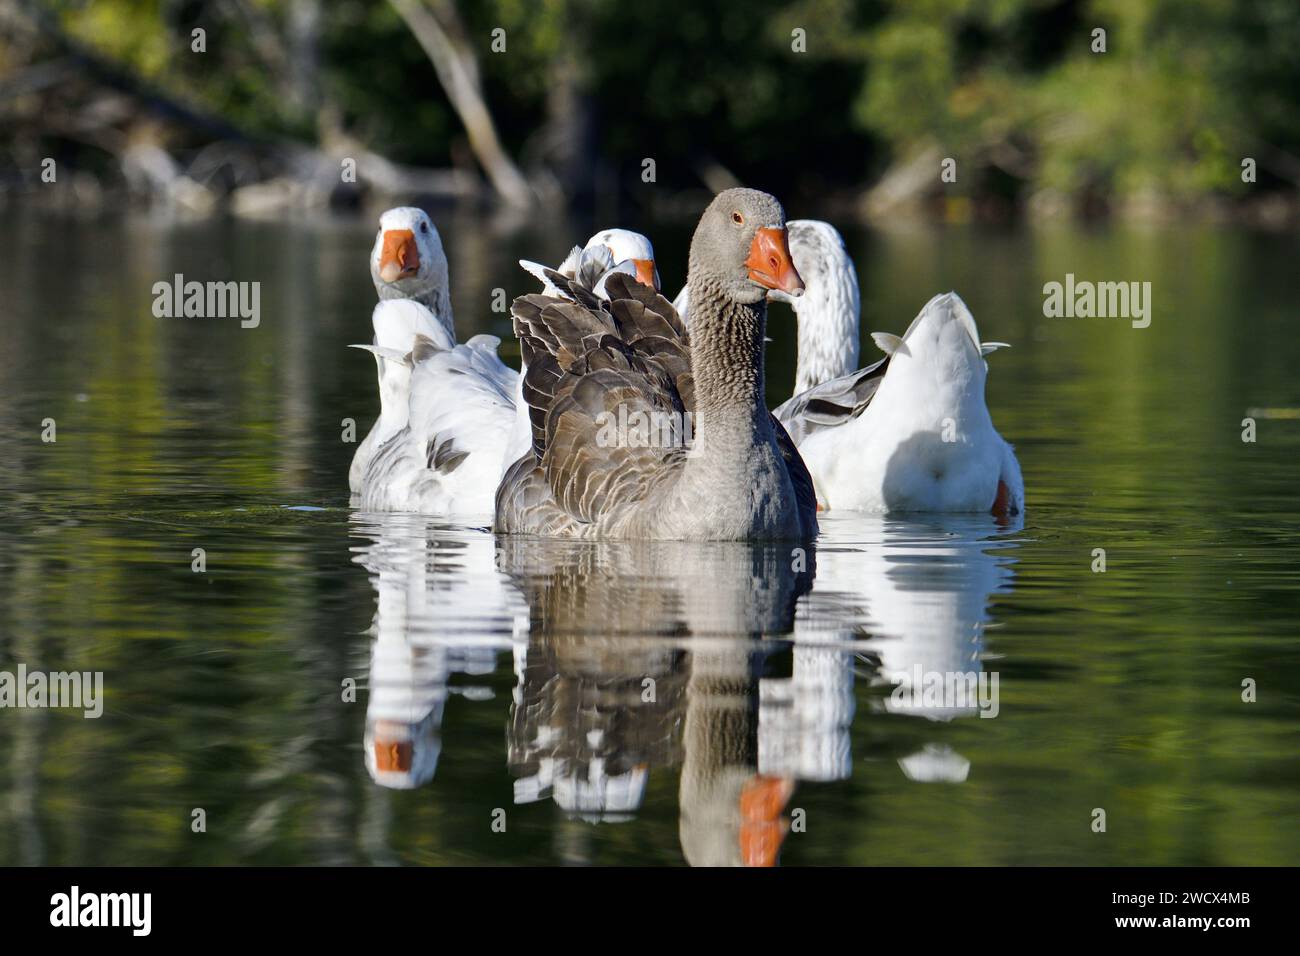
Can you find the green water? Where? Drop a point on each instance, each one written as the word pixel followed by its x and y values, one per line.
pixel 611 703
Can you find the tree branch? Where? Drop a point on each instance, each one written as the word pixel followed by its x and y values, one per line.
pixel 458 73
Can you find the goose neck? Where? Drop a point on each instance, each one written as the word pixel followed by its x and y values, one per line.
pixel 432 296
pixel 727 343
pixel 828 318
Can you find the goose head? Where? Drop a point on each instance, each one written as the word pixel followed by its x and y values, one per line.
pixel 628 251
pixel 740 249
pixel 408 261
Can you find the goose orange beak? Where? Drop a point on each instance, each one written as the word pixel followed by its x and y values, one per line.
pixel 762 828
pixel 770 264
pixel 399 257
pixel 646 273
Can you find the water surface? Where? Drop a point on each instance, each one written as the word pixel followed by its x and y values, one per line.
pixel 635 703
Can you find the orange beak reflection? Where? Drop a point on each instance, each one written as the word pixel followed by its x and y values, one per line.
pixel 770 264
pixel 399 257
pixel 762 828
pixel 393 755
pixel 646 273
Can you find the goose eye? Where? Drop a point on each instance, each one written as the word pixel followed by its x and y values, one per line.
pixel 424 227
pixel 738 219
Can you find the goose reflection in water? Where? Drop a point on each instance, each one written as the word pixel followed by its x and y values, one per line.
pixel 909 598
pixel 644 655
pixel 637 658
pixel 441 609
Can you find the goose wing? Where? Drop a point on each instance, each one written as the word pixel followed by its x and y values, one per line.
pixel 566 268
pixel 397 324
pixel 597 371
pixel 831 403
pixel 804 491
pixel 449 455
pixel 462 401
pixel 583 271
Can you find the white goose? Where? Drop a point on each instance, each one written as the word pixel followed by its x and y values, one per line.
pixel 447 425
pixel 446 409
pixel 409 270
pixel 912 432
pixel 606 254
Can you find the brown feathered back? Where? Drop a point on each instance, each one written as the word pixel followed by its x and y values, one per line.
pixel 592 362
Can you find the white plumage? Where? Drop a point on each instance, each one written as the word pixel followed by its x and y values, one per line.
pixel 448 423
pixel 396 322
pixel 913 432
pixel 448 457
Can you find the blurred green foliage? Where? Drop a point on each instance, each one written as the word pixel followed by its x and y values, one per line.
pixel 1011 88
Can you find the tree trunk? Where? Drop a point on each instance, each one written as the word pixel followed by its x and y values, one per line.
pixel 458 73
